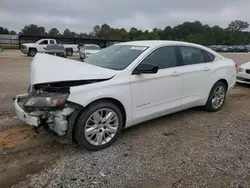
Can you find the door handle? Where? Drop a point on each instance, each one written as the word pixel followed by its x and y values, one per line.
pixel 207 69
pixel 175 73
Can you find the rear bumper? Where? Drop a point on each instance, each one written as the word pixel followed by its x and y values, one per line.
pixel 24 116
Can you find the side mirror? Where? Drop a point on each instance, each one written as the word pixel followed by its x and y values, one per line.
pixel 146 69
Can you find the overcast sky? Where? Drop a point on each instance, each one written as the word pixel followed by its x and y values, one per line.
pixel 82 15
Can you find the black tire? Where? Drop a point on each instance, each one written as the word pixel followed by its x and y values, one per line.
pixel 81 121
pixel 209 106
pixel 32 52
pixel 69 52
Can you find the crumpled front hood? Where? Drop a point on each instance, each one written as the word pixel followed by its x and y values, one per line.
pixel 245 65
pixel 46 68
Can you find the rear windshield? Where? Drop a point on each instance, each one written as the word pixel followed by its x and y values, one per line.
pixel 116 57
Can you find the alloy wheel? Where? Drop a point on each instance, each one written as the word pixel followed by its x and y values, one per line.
pixel 218 96
pixel 101 126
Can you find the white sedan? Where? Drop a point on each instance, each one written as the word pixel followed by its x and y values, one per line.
pixel 123 85
pixel 243 73
pixel 88 50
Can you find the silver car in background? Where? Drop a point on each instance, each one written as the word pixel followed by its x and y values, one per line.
pixel 88 50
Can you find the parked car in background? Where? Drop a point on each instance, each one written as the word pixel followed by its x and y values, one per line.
pixel 56 50
pixel 242 49
pixel 248 48
pixel 222 49
pixel 32 48
pixel 243 73
pixel 88 50
pixel 212 47
pixel 123 85
pixel 232 49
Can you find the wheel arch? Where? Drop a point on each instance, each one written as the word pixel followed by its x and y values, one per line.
pixel 208 105
pixel 69 49
pixel 223 81
pixel 32 48
pixel 116 102
pixel 109 99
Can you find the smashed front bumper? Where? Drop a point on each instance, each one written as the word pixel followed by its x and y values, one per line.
pixel 57 120
pixel 22 115
pixel 24 51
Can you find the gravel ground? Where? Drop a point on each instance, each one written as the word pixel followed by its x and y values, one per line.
pixel 192 148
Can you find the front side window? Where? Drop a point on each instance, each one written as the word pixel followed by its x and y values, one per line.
pixel 192 55
pixel 163 57
pixel 116 57
pixel 44 42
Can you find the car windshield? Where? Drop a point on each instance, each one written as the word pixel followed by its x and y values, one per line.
pixel 92 47
pixel 54 47
pixel 116 57
pixel 38 41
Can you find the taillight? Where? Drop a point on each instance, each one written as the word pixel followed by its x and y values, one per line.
pixel 78 47
pixel 236 66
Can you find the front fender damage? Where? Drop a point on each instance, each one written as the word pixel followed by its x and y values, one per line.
pixel 55 119
pixel 59 119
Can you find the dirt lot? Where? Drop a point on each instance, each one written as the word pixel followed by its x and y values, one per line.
pixel 193 148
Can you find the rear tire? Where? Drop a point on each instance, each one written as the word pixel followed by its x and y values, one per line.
pixel 69 51
pixel 216 97
pixel 104 125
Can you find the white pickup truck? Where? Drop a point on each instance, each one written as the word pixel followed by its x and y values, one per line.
pixel 39 46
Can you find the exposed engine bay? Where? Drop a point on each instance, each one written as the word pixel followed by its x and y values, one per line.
pixel 52 82
pixel 48 103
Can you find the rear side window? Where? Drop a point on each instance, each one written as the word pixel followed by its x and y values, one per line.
pixel 208 56
pixel 52 42
pixel 192 55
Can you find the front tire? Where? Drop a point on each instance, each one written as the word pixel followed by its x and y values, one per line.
pixel 98 126
pixel 32 52
pixel 216 97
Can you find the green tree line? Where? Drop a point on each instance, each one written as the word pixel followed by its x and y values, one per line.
pixel 195 32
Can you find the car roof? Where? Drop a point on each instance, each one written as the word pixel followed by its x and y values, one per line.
pixel 154 43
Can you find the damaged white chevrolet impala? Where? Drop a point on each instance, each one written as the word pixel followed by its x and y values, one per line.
pixel 120 86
